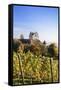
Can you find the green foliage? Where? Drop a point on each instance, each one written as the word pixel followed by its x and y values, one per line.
pixel 53 50
pixel 16 45
pixel 29 68
pixel 32 62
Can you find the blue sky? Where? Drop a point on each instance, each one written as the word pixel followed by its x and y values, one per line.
pixel 43 20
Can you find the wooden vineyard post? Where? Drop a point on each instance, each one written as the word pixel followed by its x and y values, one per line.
pixel 51 69
pixel 31 77
pixel 21 68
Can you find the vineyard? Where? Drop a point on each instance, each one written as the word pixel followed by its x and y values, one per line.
pixel 29 68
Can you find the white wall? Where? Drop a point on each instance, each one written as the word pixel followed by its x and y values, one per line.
pixel 4 45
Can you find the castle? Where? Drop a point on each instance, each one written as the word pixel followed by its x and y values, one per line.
pixel 22 43
pixel 32 36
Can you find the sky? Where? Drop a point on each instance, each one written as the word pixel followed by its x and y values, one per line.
pixel 43 20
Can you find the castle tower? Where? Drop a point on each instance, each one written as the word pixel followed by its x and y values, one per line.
pixel 33 36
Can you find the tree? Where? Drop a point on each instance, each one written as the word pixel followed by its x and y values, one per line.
pixel 35 47
pixel 44 42
pixel 43 50
pixel 52 50
pixel 17 46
